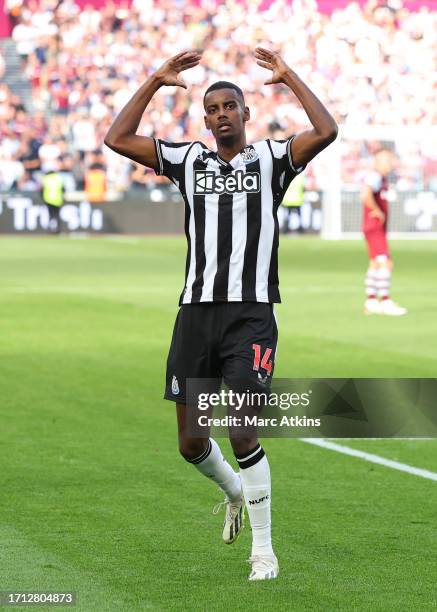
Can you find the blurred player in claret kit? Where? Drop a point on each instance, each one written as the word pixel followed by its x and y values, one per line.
pixel 226 328
pixel 375 217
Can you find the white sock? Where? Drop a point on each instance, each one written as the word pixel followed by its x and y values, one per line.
pixel 213 465
pixel 383 282
pixel 255 480
pixel 370 282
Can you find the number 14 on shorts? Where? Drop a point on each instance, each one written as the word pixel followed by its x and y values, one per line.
pixel 264 362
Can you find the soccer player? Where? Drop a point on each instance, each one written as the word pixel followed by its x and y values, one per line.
pixel 225 327
pixel 375 215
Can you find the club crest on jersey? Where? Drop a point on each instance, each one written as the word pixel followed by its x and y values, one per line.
pixel 208 182
pixel 249 155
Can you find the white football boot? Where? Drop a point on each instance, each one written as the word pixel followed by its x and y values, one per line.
pixel 388 307
pixel 263 568
pixel 234 518
pixel 372 306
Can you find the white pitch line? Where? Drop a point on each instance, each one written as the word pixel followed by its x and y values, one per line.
pixel 395 465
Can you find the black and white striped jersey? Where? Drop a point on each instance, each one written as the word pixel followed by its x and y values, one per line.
pixel 231 219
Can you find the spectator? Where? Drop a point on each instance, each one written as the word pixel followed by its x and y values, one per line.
pixel 24 35
pixel 11 171
pixel 13 9
pixel 53 194
pixel 371 65
pixel 84 133
pixel 139 176
pixel 95 178
pixel 49 153
pixel 28 153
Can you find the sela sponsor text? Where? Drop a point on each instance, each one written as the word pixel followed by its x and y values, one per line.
pixel 208 182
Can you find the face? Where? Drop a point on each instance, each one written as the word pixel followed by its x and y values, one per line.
pixel 384 162
pixel 225 114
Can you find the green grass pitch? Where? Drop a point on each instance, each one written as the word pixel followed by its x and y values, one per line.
pixel 94 497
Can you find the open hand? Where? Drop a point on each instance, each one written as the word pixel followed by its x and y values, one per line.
pixel 272 61
pixel 168 73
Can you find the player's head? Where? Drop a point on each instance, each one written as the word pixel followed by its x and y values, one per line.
pixel 384 161
pixel 225 111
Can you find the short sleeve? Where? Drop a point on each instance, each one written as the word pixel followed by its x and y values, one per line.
pixel 282 156
pixel 171 158
pixel 373 180
pixel 284 169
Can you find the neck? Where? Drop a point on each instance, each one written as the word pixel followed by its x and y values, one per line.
pixel 229 149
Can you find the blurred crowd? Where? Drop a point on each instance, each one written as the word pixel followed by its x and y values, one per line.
pixel 370 66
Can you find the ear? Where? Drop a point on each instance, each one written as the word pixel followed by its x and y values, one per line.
pixel 205 118
pixel 246 114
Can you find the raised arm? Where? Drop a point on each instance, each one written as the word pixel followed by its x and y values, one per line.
pixel 308 144
pixel 122 136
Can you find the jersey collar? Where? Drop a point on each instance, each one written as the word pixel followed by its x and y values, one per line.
pixel 235 161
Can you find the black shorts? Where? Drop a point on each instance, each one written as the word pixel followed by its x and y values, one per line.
pixel 232 342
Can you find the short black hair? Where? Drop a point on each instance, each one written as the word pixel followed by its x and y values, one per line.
pixel 224 85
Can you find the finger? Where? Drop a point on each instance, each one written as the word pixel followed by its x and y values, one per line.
pixel 191 52
pixel 188 60
pixel 265 65
pixel 181 83
pixel 261 56
pixel 187 66
pixel 264 58
pixel 179 55
pixel 264 51
pixel 269 82
pixel 195 52
pixel 193 60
